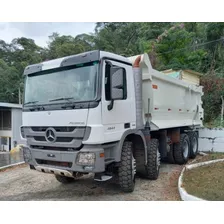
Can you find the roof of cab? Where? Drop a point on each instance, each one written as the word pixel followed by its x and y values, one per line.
pixel 72 59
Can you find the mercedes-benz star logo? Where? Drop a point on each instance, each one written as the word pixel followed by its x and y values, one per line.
pixel 50 135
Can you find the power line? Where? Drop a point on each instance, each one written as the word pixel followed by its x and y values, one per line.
pixel 193 46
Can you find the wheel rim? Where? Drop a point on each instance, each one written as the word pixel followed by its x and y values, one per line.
pixel 185 149
pixel 194 142
pixel 133 167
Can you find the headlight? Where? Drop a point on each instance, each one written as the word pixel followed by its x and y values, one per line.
pixel 26 154
pixel 86 158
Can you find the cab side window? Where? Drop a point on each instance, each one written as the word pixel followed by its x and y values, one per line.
pixel 107 82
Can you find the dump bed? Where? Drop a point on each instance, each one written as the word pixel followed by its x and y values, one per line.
pixel 170 102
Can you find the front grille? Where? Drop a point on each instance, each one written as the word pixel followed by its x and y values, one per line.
pixel 54 163
pixel 64 139
pixel 39 138
pixel 59 139
pixel 56 138
pixel 55 148
pixel 57 129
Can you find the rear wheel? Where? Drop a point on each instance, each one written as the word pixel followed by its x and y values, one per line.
pixel 64 180
pixel 153 160
pixel 170 157
pixel 193 137
pixel 127 168
pixel 182 150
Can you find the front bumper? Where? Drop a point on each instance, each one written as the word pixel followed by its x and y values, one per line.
pixel 48 160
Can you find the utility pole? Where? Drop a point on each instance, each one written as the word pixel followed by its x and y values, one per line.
pixel 222 110
pixel 19 96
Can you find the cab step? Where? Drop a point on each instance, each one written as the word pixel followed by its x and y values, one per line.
pixel 102 177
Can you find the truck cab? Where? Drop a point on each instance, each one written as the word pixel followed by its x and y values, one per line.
pixel 77 113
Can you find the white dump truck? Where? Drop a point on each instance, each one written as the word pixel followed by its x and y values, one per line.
pixel 101 113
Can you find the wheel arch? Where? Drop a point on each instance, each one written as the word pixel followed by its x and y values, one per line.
pixel 136 137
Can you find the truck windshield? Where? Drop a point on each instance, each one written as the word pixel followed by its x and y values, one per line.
pixel 76 84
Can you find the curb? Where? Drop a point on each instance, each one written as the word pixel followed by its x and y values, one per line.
pixel 202 153
pixel 11 165
pixel 3 153
pixel 183 193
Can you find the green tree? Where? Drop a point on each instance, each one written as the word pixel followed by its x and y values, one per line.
pixel 10 81
pixel 24 51
pixel 177 49
pixel 215 35
pixel 119 38
pixel 213 90
pixel 61 46
pixel 5 51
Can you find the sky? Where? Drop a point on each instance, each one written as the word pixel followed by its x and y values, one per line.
pixel 39 32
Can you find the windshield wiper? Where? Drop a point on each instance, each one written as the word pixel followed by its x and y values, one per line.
pixel 31 102
pixel 35 107
pixel 62 98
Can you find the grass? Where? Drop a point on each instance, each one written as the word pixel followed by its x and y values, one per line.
pixel 208 157
pixel 206 182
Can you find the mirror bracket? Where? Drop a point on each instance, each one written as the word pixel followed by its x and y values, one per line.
pixel 111 105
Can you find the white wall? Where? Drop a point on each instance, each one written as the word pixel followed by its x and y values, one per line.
pixel 16 123
pixel 4 133
pixel 211 140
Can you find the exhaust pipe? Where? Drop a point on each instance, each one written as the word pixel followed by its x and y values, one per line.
pixel 138 92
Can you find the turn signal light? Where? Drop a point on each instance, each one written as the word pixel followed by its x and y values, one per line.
pixel 101 155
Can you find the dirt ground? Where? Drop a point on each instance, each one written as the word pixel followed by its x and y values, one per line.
pixel 22 184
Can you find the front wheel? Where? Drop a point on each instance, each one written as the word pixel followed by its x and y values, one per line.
pixel 127 168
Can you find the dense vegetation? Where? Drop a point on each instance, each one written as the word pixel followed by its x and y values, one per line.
pixel 196 46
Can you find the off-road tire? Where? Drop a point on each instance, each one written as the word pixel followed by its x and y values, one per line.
pixel 170 157
pixel 64 180
pixel 178 150
pixel 125 169
pixel 152 168
pixel 193 136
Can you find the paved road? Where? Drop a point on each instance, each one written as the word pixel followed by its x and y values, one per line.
pixel 22 184
pixel 8 159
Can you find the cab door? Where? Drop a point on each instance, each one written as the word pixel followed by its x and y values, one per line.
pixel 119 115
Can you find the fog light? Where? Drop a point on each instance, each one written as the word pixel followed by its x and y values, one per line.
pixel 86 158
pixel 26 154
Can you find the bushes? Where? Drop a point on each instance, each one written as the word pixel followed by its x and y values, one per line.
pixel 213 90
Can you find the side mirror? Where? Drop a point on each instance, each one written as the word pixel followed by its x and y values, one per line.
pixel 117 83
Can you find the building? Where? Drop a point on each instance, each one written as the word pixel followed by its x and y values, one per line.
pixel 10 122
pixel 188 76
